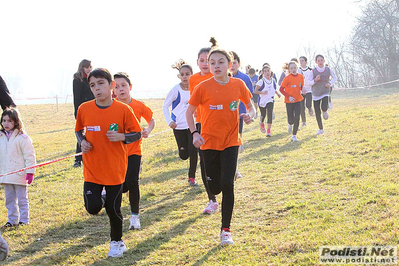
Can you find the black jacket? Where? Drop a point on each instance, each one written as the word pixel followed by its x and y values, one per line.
pixel 81 93
pixel 5 98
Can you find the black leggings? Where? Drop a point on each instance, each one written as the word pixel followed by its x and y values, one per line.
pixel 203 174
pixel 132 183
pixel 94 204
pixel 221 168
pixel 293 115
pixel 78 150
pixel 267 110
pixel 323 103
pixel 306 102
pixel 184 141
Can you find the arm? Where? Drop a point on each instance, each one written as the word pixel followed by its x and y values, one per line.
pixel 84 144
pixel 334 78
pixel 165 108
pixel 248 117
pixel 197 138
pixel 146 131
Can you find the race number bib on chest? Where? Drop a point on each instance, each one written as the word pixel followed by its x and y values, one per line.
pixel 93 128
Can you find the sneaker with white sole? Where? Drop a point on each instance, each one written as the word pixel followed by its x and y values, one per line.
pixel 294 138
pixel 117 249
pixel 325 115
pixel 134 222
pixel 211 208
pixel 303 125
pixel 289 129
pixel 269 133
pixel 320 132
pixel 262 127
pixel 192 182
pixel 238 175
pixel 225 238
pixel 311 113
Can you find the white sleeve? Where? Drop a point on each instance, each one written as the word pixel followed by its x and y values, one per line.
pixel 334 77
pixel 259 83
pixel 28 153
pixel 308 76
pixel 167 103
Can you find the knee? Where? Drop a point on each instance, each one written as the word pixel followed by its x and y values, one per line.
pixel 93 209
pixel 131 184
pixel 183 153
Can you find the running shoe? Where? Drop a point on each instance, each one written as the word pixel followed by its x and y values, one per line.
pixel 77 164
pixel 238 175
pixel 192 182
pixel 117 249
pixel 262 127
pixel 311 113
pixel 294 138
pixel 303 125
pixel 225 238
pixel 289 129
pixel 320 132
pixel 134 222
pixel 269 133
pixel 8 224
pixel 211 208
pixel 325 115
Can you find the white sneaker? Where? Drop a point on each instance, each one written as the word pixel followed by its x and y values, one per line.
pixel 273 116
pixel 238 175
pixel 303 125
pixel 325 115
pixel 117 249
pixel 311 113
pixel 225 238
pixel 134 222
pixel 294 138
pixel 241 148
pixel 330 105
pixel 320 132
pixel 212 207
pixel 289 129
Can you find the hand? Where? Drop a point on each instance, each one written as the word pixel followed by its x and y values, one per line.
pixel 328 85
pixel 173 125
pixel 115 136
pixel 292 99
pixel 29 178
pixel 145 133
pixel 317 78
pixel 247 118
pixel 85 146
pixel 279 95
pixel 198 140
pixel 265 92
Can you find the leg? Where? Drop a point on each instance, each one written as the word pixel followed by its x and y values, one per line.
pixel 308 98
pixel 317 111
pixel 23 203
pixel 193 154
pixel 212 168
pixel 227 165
pixel 262 114
pixel 92 197
pixel 11 203
pixel 78 159
pixel 269 107
pixel 133 183
pixel 297 115
pixel 324 104
pixel 182 143
pixel 303 115
pixel 240 126
pixel 113 208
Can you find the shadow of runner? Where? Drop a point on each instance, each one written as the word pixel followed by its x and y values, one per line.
pixel 145 248
pixel 206 256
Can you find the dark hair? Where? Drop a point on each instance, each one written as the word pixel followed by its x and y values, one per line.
pixel 251 71
pixel 14 115
pixel 292 63
pixel 319 55
pixel 100 73
pixel 265 66
pixel 236 57
pixel 304 58
pixel 207 49
pixel 215 50
pixel 123 75
pixel 180 64
pixel 285 66
pixel 80 73
pixel 294 59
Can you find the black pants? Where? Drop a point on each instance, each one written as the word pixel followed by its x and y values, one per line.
pixel 184 141
pixel 221 168
pixel 293 115
pixel 323 103
pixel 203 172
pixel 267 110
pixel 132 182
pixel 240 125
pixel 305 103
pixel 78 149
pixel 94 204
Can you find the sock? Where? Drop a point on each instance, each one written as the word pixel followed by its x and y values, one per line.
pixel 226 229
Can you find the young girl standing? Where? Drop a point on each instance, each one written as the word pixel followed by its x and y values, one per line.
pixel 16 152
pixel 266 88
pixel 196 79
pixel 291 88
pixel 178 98
pixel 218 98
pixel 123 86
pixel 321 85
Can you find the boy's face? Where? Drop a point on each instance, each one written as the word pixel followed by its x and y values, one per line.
pixel 122 89
pixel 234 66
pixel 7 123
pixel 302 62
pixel 101 89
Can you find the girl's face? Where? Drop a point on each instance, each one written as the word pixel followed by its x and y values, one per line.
pixel 293 69
pixel 267 73
pixel 320 61
pixel 87 70
pixel 122 89
pixel 184 75
pixel 202 63
pixel 7 123
pixel 302 62
pixel 219 65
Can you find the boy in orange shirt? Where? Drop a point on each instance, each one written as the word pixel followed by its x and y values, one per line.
pixel 108 126
pixel 291 88
pixel 122 92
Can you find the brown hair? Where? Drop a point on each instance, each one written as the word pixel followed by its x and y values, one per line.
pixel 14 116
pixel 80 73
pixel 180 64
pixel 207 49
pixel 123 75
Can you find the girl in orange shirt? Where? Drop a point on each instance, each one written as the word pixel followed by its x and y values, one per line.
pixel 218 98
pixel 291 88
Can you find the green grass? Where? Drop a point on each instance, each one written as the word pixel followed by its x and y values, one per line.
pixel 337 189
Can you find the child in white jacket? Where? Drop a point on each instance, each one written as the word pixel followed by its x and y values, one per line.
pixel 16 152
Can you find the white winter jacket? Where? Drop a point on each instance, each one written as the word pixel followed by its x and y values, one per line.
pixel 16 153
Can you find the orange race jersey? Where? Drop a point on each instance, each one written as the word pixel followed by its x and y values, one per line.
pixel 194 80
pixel 106 162
pixel 140 109
pixel 219 105
pixel 292 86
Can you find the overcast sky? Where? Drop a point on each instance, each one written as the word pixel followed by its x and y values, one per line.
pixel 43 42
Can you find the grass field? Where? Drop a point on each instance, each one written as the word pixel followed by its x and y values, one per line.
pixel 337 189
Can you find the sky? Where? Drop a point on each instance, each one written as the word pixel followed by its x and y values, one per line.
pixel 43 42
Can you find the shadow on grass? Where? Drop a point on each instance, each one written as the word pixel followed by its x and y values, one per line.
pixel 164 176
pixel 206 256
pixel 53 131
pixel 53 173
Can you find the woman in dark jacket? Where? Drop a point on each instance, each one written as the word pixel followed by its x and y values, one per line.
pixel 5 98
pixel 81 94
